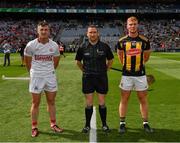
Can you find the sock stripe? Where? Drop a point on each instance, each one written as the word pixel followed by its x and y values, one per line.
pixel 122 122
pixel 145 123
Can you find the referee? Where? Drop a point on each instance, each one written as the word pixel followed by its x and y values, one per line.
pixel 94 59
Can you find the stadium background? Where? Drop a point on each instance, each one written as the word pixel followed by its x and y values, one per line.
pixel 159 20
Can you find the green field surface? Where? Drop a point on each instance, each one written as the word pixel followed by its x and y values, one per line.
pixel 163 96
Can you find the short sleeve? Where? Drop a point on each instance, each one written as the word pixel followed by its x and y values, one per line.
pixel 147 46
pixel 28 50
pixel 56 52
pixel 109 54
pixel 119 45
pixel 79 54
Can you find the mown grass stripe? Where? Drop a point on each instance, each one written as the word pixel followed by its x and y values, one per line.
pixel 166 66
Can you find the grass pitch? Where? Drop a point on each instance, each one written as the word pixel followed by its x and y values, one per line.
pixel 163 95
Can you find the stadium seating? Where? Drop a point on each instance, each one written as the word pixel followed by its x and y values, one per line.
pixel 163 34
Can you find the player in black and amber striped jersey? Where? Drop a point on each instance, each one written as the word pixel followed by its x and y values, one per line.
pixel 133 52
pixel 133 57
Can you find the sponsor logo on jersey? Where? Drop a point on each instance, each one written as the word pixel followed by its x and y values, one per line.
pixel 43 57
pixel 133 52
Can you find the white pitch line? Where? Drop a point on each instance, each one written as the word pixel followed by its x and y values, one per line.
pixel 93 135
pixel 15 78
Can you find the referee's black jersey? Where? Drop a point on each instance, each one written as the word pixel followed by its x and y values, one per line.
pixel 133 63
pixel 94 57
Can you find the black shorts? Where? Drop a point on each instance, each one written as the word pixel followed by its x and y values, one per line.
pixel 61 52
pixel 22 54
pixel 92 83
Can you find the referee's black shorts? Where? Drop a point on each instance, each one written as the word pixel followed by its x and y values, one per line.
pixel 92 83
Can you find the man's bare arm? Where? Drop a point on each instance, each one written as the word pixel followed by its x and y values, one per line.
pixel 120 54
pixel 80 65
pixel 146 55
pixel 28 60
pixel 56 61
pixel 109 64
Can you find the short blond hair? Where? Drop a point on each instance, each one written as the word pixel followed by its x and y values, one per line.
pixel 132 18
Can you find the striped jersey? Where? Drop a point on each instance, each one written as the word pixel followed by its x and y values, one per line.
pixel 133 57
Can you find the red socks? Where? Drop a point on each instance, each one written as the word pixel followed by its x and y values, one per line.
pixel 34 124
pixel 52 122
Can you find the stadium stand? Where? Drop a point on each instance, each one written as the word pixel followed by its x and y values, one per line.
pixel 88 4
pixel 163 32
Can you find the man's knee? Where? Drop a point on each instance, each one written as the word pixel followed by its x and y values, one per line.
pixel 102 101
pixel 51 102
pixel 36 98
pixel 50 97
pixel 143 101
pixel 35 104
pixel 142 98
pixel 124 99
pixel 89 99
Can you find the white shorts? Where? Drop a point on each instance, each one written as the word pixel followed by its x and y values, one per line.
pixel 39 84
pixel 137 83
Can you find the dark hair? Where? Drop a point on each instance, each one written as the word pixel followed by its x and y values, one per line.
pixel 92 26
pixel 43 23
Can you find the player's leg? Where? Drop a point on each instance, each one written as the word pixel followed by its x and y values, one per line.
pixel 125 94
pixel 142 96
pixel 88 90
pixel 126 86
pixel 141 86
pixel 8 58
pixel 36 98
pixel 124 103
pixel 22 60
pixel 51 90
pixel 4 60
pixel 35 88
pixel 50 97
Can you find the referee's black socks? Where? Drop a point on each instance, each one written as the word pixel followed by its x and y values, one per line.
pixel 103 114
pixel 88 113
